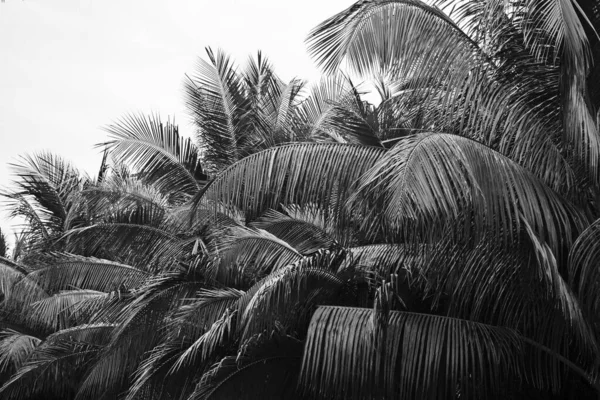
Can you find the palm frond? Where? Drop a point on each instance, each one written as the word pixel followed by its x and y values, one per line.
pixel 59 311
pixel 375 35
pixel 428 180
pixel 283 299
pixel 134 243
pixel 69 272
pixel 302 235
pixel 215 100
pixel 246 255
pixel 15 347
pixel 158 153
pixel 204 347
pixel 425 356
pixel 584 273
pixel 268 369
pixel 62 356
pixel 293 174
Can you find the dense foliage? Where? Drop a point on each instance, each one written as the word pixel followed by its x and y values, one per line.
pixel 305 243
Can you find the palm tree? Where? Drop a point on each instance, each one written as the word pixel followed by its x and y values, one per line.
pixel 442 244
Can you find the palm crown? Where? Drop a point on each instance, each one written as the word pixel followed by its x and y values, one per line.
pixel 308 244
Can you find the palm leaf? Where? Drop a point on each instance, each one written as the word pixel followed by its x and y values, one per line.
pixel 292 174
pixel 427 180
pixel 15 347
pixel 584 273
pixel 87 273
pixel 268 369
pixel 246 255
pixel 283 299
pixel 215 100
pixel 59 311
pixel 62 356
pixel 424 357
pixel 158 153
pixel 304 236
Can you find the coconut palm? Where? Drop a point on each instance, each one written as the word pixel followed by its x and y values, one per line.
pixel 442 244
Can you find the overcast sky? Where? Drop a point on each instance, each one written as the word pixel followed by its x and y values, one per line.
pixel 68 67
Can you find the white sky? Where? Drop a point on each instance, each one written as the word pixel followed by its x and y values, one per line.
pixel 68 67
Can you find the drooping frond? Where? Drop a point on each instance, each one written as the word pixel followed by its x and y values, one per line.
pixel 246 255
pixel 158 154
pixel 302 235
pixel 321 173
pixel 424 356
pixel 17 289
pixel 59 311
pixel 284 298
pixel 126 200
pixel 50 180
pixel 518 288
pixel 203 310
pixel 43 197
pixel 140 245
pixel 56 366
pixel 204 347
pixel 428 180
pixel 70 272
pixel 376 35
pixel 192 331
pixel 584 268
pixel 15 347
pixel 266 370
pixel 140 324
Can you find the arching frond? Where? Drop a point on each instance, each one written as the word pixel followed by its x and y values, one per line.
pixel 15 347
pixel 267 370
pixel 293 174
pixel 55 367
pixel 215 100
pixel 584 268
pixel 140 323
pixel 140 245
pixel 375 35
pixel 302 235
pixel 192 332
pixel 70 272
pixel 158 153
pixel 59 311
pixel 428 180
pixel 283 298
pixel 424 357
pixel 246 255
pixel 204 347
pixel 203 310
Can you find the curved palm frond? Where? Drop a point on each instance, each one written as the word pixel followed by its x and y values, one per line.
pixel 584 274
pixel 374 35
pixel 63 355
pixel 216 102
pixel 158 154
pixel 59 311
pixel 425 356
pixel 139 245
pixel 69 272
pixel 190 331
pixel 321 173
pixel 248 254
pixel 428 180
pixel 304 236
pixel 267 369
pixel 282 300
pixel 15 347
